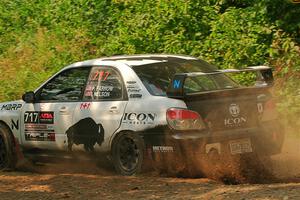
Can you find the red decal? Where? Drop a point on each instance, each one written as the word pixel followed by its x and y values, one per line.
pixel 85 106
pixel 51 136
pixel 46 116
pixel 107 74
pixel 89 88
pixel 99 75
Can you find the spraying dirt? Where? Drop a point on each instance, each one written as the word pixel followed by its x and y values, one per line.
pixel 89 180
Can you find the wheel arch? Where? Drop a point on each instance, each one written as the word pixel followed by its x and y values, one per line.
pixel 112 140
pixel 15 154
pixel 10 131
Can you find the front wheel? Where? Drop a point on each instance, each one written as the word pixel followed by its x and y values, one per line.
pixel 7 156
pixel 127 153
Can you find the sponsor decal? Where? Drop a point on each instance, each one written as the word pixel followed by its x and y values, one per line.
pixel 35 117
pixel 84 106
pixel 234 110
pixel 86 132
pixel 176 84
pixel 163 149
pixel 46 118
pixel 134 90
pixel 260 108
pixel 14 124
pixel 132 85
pixel 11 106
pixel 37 127
pixel 39 132
pixel 131 82
pixel 236 119
pixel 40 136
pixel 135 96
pixel 139 118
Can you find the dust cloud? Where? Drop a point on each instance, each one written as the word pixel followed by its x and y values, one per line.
pixel 287 163
pixel 191 162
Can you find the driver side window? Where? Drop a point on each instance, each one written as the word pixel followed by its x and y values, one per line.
pixel 66 86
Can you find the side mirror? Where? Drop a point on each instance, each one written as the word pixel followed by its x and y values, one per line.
pixel 28 97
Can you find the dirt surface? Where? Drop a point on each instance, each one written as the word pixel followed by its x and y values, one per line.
pixel 84 180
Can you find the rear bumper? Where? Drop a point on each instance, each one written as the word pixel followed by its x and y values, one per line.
pixel 266 139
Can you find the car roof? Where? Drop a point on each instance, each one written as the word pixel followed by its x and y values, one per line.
pixel 160 57
pixel 136 60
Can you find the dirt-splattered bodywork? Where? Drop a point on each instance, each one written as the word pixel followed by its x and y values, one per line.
pixel 90 103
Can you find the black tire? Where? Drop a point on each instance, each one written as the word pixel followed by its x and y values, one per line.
pixel 7 155
pixel 128 153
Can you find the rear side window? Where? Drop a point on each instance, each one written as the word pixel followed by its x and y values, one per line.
pixel 104 83
pixel 157 77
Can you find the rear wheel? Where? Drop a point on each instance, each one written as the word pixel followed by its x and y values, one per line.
pixel 127 153
pixel 7 155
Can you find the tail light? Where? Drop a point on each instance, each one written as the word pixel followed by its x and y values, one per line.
pixel 269 110
pixel 183 119
pixel 270 105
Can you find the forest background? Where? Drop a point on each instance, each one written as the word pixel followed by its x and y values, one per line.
pixel 39 37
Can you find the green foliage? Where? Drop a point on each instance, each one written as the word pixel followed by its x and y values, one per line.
pixel 39 37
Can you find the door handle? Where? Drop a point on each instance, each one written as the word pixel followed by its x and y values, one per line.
pixel 63 110
pixel 113 109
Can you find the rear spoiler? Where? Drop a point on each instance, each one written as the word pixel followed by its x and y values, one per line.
pixel 176 88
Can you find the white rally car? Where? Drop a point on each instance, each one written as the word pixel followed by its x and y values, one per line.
pixel 136 107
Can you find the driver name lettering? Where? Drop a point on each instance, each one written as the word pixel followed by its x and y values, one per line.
pixel 102 91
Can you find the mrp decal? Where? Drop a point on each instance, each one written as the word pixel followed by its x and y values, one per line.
pixel 11 106
pixel 39 117
pixel 236 118
pixel 139 118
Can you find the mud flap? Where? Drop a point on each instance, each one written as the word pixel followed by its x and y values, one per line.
pixel 270 139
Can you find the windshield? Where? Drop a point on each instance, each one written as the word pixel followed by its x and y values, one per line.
pixel 157 76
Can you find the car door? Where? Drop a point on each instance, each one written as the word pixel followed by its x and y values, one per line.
pixel 44 122
pixel 100 113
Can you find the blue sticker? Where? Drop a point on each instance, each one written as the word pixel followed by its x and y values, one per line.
pixel 176 84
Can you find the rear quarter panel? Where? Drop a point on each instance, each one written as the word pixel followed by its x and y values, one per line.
pixel 143 111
